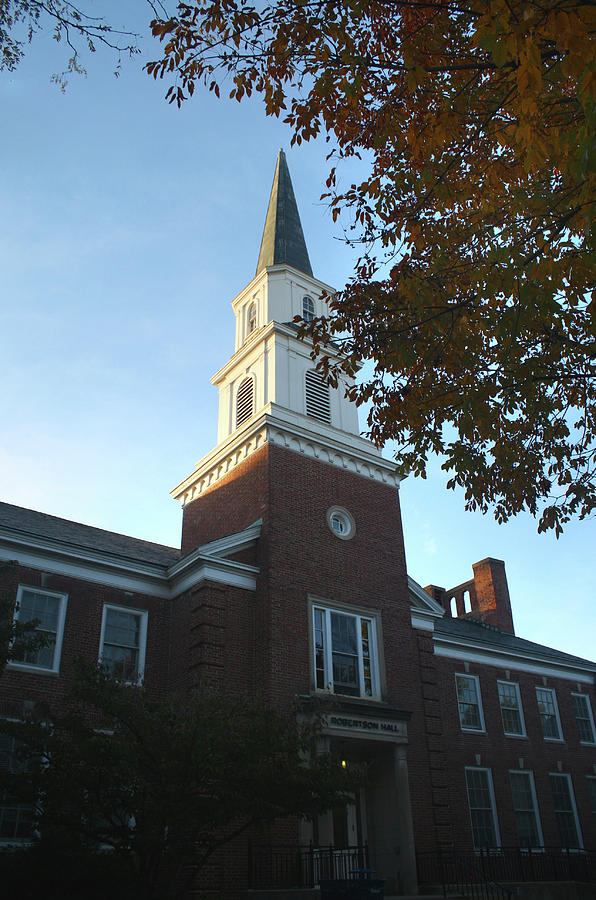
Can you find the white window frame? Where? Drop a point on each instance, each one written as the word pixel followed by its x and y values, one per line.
pixel 530 776
pixel 144 616
pixel 54 669
pixel 308 314
pixel 515 685
pixel 552 692
pixel 476 680
pixel 589 717
pixel 493 803
pixel 248 330
pixel 580 838
pixel 367 615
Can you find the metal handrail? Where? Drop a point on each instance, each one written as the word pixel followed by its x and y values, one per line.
pixel 505 864
pixel 277 866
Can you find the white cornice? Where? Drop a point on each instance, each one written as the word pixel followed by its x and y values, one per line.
pixel 121 572
pixel 260 336
pixel 456 647
pixel 423 619
pixel 421 599
pixel 294 431
pixel 232 543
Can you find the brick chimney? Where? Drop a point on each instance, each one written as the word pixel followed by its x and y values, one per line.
pixel 484 597
pixel 492 603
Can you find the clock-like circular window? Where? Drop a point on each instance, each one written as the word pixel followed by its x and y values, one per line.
pixel 341 523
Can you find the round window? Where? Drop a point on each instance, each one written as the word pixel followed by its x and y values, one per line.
pixel 341 522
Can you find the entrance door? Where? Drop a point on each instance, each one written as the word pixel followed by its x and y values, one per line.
pixel 349 828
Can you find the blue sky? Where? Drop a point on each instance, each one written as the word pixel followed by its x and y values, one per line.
pixel 128 227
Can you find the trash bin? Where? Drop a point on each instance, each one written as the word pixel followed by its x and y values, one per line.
pixel 352 888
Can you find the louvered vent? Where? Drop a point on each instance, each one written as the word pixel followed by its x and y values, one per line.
pixel 317 397
pixel 244 401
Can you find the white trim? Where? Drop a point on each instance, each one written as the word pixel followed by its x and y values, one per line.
pixel 530 775
pixel 552 692
pixel 566 775
pixel 144 616
pixel 348 519
pixel 357 614
pixel 520 708
pixel 232 543
pixel 276 425
pixel 429 604
pixel 476 680
pixel 54 669
pixel 219 571
pixel 423 620
pixel 491 791
pixel 154 580
pixel 471 651
pixel 590 718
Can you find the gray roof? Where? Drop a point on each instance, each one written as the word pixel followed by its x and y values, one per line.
pixel 469 629
pixel 283 239
pixel 41 525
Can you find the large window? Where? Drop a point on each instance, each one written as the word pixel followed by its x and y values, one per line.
pixel 511 708
pixel 583 718
pixel 566 811
pixel 469 703
pixel 483 813
pixel 123 638
pixel 15 818
pixel 525 805
pixel 549 714
pixel 345 653
pixel 49 610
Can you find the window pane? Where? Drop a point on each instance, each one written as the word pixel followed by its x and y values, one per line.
pixel 525 812
pixel 122 628
pixel 583 718
pixel 319 636
pixel 15 818
pixel 469 707
pixel 34 605
pixel 122 641
pixel 121 662
pixel 344 645
pixel 481 808
pixel 366 651
pixel 547 712
pixel 510 708
pixel 564 811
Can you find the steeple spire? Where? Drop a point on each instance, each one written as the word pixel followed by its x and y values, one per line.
pixel 283 239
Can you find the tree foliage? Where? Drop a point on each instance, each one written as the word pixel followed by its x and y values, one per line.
pixel 475 126
pixel 20 20
pixel 165 783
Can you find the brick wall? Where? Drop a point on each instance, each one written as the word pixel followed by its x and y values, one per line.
pixel 82 633
pixel 499 753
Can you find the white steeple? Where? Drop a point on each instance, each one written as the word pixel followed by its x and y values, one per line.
pixel 270 390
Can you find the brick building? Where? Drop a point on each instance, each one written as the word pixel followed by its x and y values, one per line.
pixel 291 581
